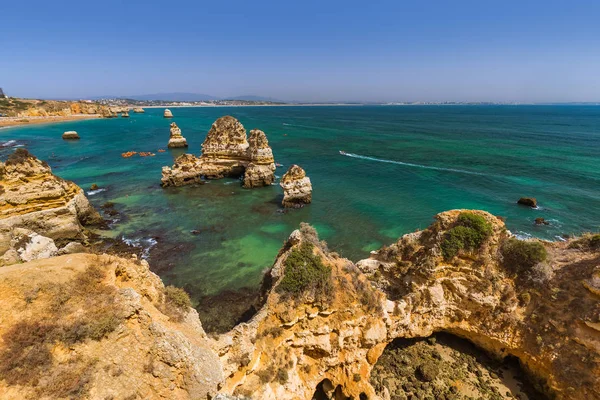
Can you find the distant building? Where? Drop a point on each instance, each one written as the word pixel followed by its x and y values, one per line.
pixel 2 95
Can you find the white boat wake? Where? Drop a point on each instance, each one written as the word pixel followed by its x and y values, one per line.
pixel 461 171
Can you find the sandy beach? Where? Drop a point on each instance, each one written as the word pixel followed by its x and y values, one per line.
pixel 6 122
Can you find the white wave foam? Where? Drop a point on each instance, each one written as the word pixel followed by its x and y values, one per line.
pixel 146 244
pixel 406 164
pixel 523 235
pixel 93 192
pixel 8 143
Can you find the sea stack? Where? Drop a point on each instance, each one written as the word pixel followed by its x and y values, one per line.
pixel 139 110
pixel 70 135
pixel 226 153
pixel 297 189
pixel 125 114
pixel 528 201
pixel 260 170
pixel 168 113
pixel 176 140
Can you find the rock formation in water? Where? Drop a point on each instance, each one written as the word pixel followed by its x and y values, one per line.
pixel 176 139
pixel 139 110
pixel 168 113
pixel 225 153
pixel 261 168
pixel 34 202
pixel 70 135
pixel 528 201
pixel 125 114
pixel 297 189
pixel 330 320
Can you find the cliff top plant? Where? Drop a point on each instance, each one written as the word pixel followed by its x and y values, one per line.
pixel 305 273
pixel 588 241
pixel 468 234
pixel 521 256
pixel 177 303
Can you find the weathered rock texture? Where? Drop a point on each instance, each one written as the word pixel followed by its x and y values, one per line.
pixel 50 108
pixel 168 113
pixel 176 139
pixel 297 189
pixel 407 290
pixel 139 110
pixel 99 327
pixel 70 135
pixel 225 153
pixel 31 197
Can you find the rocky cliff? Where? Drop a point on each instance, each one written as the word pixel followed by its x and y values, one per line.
pixel 47 108
pixel 99 327
pixel 225 153
pixel 332 331
pixel 297 189
pixel 38 210
pixel 176 139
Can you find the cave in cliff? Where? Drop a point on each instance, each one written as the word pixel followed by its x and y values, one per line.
pixel 445 366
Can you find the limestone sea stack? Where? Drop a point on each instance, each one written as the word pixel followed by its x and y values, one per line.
pixel 125 114
pixel 297 189
pixel 225 153
pixel 139 110
pixel 35 205
pixel 261 169
pixel 168 113
pixel 70 135
pixel 176 140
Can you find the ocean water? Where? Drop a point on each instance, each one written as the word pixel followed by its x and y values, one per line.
pixel 405 164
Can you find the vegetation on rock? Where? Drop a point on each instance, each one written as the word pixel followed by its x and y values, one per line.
pixel 468 234
pixel 520 256
pixel 27 352
pixel 177 302
pixel 305 273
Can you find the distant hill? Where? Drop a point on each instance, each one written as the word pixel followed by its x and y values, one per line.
pixel 183 96
pixel 253 98
pixel 175 96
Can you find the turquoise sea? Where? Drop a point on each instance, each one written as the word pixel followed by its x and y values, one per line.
pixel 407 163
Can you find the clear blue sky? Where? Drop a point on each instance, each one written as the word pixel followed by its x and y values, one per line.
pixel 304 50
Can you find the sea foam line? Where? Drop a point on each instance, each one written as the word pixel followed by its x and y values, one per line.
pixel 462 171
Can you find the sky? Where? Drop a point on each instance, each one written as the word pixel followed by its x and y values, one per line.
pixel 327 50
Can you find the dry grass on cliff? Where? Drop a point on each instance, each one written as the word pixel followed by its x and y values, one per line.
pixel 73 312
pixel 176 303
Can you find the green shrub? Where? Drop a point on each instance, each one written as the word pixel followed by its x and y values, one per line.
pixel 177 297
pixel 520 256
pixel 469 233
pixel 587 242
pixel 305 272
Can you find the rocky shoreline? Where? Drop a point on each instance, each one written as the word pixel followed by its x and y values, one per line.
pixel 323 325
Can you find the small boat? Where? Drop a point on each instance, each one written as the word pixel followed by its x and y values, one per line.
pixel 278 165
pixel 342 152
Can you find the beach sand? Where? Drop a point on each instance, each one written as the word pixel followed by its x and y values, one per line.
pixel 6 122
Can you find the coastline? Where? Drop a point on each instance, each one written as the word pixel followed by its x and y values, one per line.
pixel 8 122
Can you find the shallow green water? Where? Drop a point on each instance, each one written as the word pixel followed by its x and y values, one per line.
pixel 407 164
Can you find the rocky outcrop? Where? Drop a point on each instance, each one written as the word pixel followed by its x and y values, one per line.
pixel 176 139
pixel 261 168
pixel 139 110
pixel 125 114
pixel 168 113
pixel 528 201
pixel 332 332
pixel 70 135
pixel 225 153
pixel 43 204
pixel 99 327
pixel 297 189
